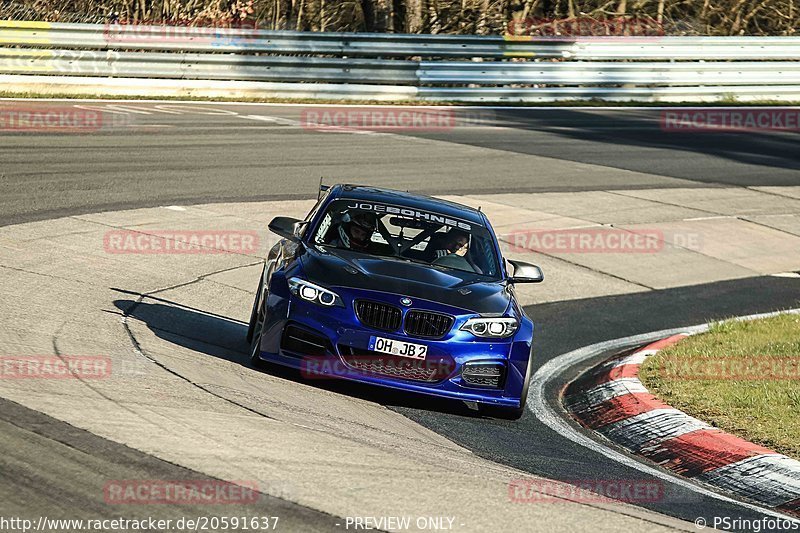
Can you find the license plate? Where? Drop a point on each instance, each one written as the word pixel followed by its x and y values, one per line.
pixel 403 349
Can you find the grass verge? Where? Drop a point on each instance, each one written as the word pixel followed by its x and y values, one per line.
pixel 741 376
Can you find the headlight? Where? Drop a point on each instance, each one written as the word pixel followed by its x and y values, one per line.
pixel 314 293
pixel 491 327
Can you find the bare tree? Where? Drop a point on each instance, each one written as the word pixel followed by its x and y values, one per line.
pixel 717 17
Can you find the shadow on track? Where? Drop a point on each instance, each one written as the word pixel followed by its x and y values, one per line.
pixel 219 336
pixel 649 130
pixel 637 140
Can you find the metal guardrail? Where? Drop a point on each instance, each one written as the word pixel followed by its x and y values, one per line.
pixel 194 39
pixel 637 68
pixel 607 73
pixel 299 69
pixel 610 94
pixel 157 88
pixel 206 66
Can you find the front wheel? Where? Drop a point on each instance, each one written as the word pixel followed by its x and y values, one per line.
pixel 256 327
pixel 255 346
pixel 251 328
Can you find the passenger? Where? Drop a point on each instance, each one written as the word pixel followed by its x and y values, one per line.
pixel 355 232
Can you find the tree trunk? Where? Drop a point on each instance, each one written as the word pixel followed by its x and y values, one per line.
pixel 483 23
pixel 300 14
pixel 417 16
pixel 398 17
pixel 369 15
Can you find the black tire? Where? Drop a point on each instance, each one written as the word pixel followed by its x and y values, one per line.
pixel 255 347
pixel 255 360
pixel 252 325
pixel 256 328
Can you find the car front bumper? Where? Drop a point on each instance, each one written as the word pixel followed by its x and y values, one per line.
pixel 345 338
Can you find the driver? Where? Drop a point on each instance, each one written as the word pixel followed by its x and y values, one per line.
pixel 355 232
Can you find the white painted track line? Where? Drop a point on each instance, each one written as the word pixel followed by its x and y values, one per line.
pixel 557 419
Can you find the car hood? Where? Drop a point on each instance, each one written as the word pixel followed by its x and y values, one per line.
pixel 341 268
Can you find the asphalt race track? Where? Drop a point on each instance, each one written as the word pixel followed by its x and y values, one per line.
pixel 212 156
pixel 173 154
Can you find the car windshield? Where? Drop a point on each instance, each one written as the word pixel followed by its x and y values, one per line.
pixel 411 234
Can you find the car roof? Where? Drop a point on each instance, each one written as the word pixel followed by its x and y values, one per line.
pixel 407 199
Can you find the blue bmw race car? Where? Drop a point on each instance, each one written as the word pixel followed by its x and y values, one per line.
pixel 397 290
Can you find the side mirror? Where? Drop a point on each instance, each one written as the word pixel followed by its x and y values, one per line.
pixel 286 227
pixel 525 273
